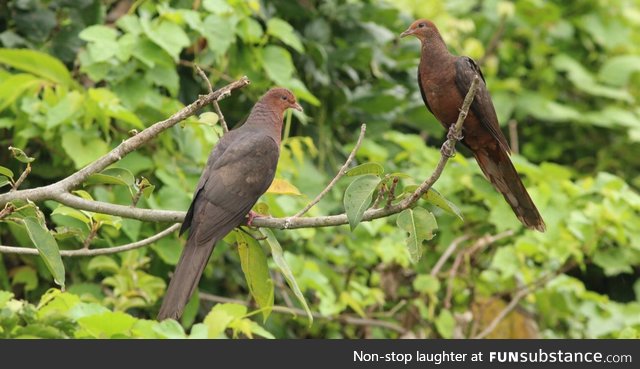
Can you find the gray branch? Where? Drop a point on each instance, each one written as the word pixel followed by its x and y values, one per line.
pixel 59 191
pixel 93 252
pixel 127 146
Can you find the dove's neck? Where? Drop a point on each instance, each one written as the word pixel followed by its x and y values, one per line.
pixel 267 119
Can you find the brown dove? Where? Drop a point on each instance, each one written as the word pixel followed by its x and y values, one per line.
pixel 239 170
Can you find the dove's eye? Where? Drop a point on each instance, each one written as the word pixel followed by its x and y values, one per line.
pixel 283 97
pixel 421 25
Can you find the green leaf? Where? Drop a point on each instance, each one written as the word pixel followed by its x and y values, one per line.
pixel 38 64
pixel 354 304
pixel 440 201
pixel 83 151
pixel 427 284
pixel 220 316
pixel 366 168
pixel 191 310
pixel 146 187
pixel 255 328
pixel 98 33
pixel 4 181
pixel 217 6
pixel 283 31
pixel 169 36
pixel 358 197
pixel 420 225
pixel 115 176
pixel 209 118
pixel 5 296
pixel 6 172
pixel 25 275
pixel 169 329
pixel 103 263
pixel 283 187
pixel 20 155
pixel 14 86
pixel 83 194
pixel 106 325
pixel 584 81
pixel 250 30
pixel 65 109
pixel 506 261
pixel 256 271
pixel 73 213
pixel 277 63
pixel 219 32
pixel 445 324
pixel 617 71
pixel 278 258
pixel 47 247
pixel 300 91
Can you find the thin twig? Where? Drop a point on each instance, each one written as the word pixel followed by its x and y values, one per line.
pixel 91 236
pixel 381 191
pixel 346 319
pixel 481 243
pixel 22 177
pixel 204 76
pixel 452 274
pixel 341 172
pixel 503 313
pixel 392 191
pixel 494 42
pixel 93 252
pixel 447 253
pixel 218 73
pixel 215 104
pixel 520 294
pixel 8 209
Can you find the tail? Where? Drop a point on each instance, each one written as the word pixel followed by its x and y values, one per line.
pixel 186 277
pixel 497 167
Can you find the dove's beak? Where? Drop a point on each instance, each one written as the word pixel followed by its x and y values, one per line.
pixel 297 107
pixel 406 33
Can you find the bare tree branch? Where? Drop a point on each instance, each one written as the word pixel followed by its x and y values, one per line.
pixel 215 104
pixel 341 172
pixel 346 319
pixel 503 313
pixel 93 252
pixel 127 146
pixel 59 190
pixel 23 176
pixel 520 294
pixel 447 253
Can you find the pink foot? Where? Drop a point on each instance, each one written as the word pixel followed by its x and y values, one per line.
pixel 252 215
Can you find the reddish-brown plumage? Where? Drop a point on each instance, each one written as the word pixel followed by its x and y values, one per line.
pixel 239 170
pixel 444 80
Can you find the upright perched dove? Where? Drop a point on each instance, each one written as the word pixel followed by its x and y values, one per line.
pixel 444 80
pixel 239 170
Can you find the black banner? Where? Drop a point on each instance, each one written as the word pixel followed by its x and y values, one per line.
pixel 325 354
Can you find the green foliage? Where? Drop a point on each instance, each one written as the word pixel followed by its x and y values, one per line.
pixel 256 271
pixel 420 225
pixel 47 247
pixel 358 197
pixel 77 79
pixel 65 315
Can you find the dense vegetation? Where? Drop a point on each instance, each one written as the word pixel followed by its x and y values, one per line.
pixel 76 77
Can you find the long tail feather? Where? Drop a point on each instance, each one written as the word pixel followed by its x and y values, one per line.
pixel 505 179
pixel 185 278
